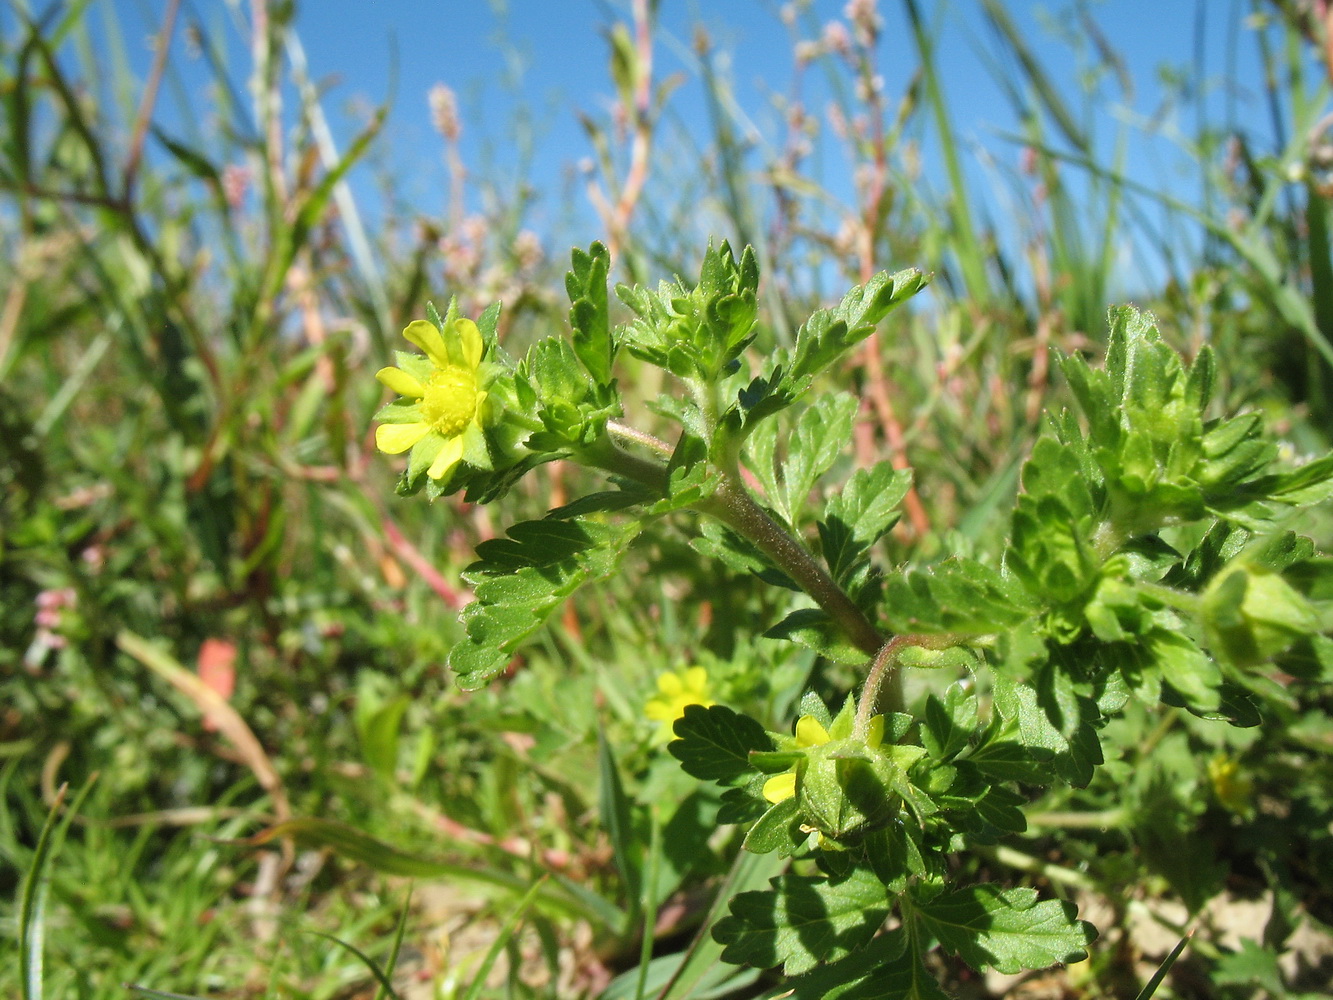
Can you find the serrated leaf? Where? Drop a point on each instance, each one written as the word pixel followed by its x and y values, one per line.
pixel 1253 965
pixel 1003 756
pixel 744 803
pixel 522 579
pixel 604 501
pixel 814 629
pixel 886 969
pixel 859 514
pixel 822 340
pixel 772 831
pixel 1309 484
pixel 689 476
pixel 588 314
pixel 1002 809
pixel 716 541
pixel 960 596
pixel 814 706
pixel 803 921
pixel 1004 929
pixel 1049 724
pixel 821 434
pixel 714 743
pixel 948 724
pixel 1018 702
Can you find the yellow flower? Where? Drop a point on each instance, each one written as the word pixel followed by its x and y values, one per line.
pixel 675 690
pixel 810 732
pixel 1233 789
pixel 440 417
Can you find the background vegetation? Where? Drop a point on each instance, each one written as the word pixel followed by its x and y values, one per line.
pixel 215 616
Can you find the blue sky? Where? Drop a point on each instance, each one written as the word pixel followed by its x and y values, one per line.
pixel 532 67
pixel 551 58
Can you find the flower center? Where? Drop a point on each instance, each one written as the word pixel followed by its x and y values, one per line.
pixel 450 400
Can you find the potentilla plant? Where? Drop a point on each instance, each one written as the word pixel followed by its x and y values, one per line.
pixel 1145 559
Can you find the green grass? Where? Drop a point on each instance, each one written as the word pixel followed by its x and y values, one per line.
pixel 186 387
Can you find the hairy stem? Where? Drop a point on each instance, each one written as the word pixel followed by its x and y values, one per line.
pixel 625 432
pixel 882 669
pixel 606 455
pixel 732 504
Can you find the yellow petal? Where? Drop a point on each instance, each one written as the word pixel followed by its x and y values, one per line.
pixel 425 336
pixel 875 733
pixel 809 732
pixel 669 684
pixel 696 681
pixel 659 711
pixel 470 339
pixel 448 457
pixel 393 439
pixel 401 382
pixel 780 787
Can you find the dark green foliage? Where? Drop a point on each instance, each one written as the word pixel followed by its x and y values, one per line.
pixel 715 743
pixel 522 579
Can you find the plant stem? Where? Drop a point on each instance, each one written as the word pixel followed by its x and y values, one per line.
pixel 881 669
pixel 627 433
pixel 604 454
pixel 1011 858
pixel 732 504
pixel 1105 818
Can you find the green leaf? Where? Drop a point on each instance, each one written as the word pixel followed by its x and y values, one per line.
pixel 1309 484
pixel 822 433
pixel 957 596
pixel 1004 929
pixel 696 333
pixel 822 340
pixel 522 579
pixel 552 385
pixel 814 629
pixel 1253 965
pixel 716 541
pixel 886 969
pixel 690 478
pixel 379 734
pixel 859 515
pixel 804 921
pixel 588 314
pixel 948 724
pixel 1052 722
pixel 773 830
pixel 714 743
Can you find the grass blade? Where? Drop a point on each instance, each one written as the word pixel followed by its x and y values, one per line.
pixel 615 815
pixel 1164 968
pixel 506 932
pixel 32 900
pixel 381 977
